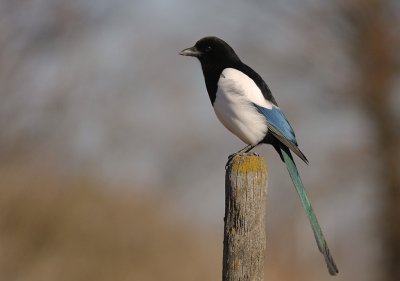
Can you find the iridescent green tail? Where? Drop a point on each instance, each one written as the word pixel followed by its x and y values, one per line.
pixel 319 236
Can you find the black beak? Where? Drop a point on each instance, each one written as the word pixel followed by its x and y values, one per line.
pixel 191 52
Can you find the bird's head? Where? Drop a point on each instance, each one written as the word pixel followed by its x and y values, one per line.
pixel 211 50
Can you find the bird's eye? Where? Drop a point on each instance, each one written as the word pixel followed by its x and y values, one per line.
pixel 208 49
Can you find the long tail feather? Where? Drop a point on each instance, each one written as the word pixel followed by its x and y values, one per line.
pixel 319 236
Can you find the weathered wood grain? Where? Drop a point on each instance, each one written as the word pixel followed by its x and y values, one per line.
pixel 244 222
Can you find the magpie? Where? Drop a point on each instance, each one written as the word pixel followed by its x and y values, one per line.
pixel 245 105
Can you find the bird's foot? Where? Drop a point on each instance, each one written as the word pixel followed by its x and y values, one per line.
pixel 230 157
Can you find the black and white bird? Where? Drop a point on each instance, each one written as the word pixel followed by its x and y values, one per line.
pixel 245 105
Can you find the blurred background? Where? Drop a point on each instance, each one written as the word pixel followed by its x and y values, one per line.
pixel 112 161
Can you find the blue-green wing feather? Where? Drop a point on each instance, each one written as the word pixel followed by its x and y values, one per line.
pixel 279 126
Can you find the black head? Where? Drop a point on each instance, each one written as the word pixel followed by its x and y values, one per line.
pixel 214 55
pixel 212 50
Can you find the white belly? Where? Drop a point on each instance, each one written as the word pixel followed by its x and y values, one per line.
pixel 234 107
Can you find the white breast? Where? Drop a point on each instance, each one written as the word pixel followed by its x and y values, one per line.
pixel 234 107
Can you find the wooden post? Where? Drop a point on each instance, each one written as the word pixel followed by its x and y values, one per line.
pixel 244 222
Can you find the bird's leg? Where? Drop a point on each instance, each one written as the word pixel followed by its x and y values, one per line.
pixel 243 150
pixel 248 148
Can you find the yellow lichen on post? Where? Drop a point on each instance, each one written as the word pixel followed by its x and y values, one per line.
pixel 243 164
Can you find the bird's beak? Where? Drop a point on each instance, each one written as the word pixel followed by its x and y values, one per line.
pixel 191 52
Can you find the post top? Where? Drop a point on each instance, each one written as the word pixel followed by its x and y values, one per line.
pixel 247 163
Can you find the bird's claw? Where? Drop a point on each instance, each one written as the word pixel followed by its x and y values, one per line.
pixel 230 157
